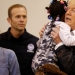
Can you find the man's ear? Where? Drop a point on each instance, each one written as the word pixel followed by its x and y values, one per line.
pixel 9 20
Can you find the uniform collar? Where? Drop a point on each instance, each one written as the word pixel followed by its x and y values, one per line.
pixel 9 35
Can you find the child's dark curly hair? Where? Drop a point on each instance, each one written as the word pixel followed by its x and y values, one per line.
pixel 57 9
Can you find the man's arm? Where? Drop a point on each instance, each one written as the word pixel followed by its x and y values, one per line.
pixel 66 59
pixel 65 54
pixel 13 64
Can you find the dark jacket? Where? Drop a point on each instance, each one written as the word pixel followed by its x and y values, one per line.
pixel 24 47
pixel 66 59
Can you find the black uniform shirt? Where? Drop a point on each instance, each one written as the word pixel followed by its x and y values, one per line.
pixel 24 47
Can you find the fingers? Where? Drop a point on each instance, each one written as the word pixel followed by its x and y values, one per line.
pixel 55 34
pixel 42 31
pixel 56 29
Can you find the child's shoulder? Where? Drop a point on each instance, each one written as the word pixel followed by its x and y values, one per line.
pixel 61 23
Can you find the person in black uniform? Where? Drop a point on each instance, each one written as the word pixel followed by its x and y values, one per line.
pixel 18 39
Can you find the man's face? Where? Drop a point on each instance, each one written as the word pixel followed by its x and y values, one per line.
pixel 70 15
pixel 18 18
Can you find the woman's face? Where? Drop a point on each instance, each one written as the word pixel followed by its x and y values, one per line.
pixel 70 15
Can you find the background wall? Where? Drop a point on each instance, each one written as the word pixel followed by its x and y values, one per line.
pixel 37 14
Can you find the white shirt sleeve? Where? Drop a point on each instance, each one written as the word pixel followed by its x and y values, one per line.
pixel 67 37
pixel 58 45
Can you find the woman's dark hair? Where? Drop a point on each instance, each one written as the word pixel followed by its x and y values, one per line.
pixel 57 8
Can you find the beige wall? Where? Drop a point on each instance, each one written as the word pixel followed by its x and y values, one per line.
pixel 37 15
